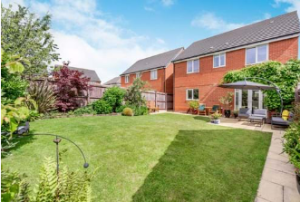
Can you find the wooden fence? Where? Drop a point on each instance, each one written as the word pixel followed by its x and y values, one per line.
pixel 162 100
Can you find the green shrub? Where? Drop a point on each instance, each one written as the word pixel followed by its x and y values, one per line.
pixel 138 111
pixel 102 107
pixel 127 112
pixel 292 144
pixel 194 104
pixel 114 97
pixel 84 110
pixel 33 115
pixel 120 109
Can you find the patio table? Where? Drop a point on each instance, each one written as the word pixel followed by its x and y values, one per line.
pixel 258 119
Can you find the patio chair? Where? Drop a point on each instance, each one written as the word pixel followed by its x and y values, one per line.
pixel 202 110
pixel 152 107
pixel 260 113
pixel 279 121
pixel 243 113
pixel 215 108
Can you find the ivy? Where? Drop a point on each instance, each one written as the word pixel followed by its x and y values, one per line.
pixel 285 76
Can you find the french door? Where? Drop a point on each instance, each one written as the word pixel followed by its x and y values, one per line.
pixel 251 99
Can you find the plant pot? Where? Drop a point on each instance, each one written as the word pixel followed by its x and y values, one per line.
pixel 195 111
pixel 235 115
pixel 227 113
pixel 298 181
pixel 216 121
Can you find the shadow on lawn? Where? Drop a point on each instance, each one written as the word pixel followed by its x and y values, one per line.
pixel 202 118
pixel 207 165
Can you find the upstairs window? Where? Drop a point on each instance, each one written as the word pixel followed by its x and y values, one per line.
pixel 126 78
pixel 192 94
pixel 193 66
pixel 219 60
pixel 256 54
pixel 153 74
pixel 138 75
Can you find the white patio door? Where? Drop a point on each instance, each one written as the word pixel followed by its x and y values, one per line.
pixel 252 99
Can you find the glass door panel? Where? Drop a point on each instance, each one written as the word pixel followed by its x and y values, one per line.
pixel 244 103
pixel 255 99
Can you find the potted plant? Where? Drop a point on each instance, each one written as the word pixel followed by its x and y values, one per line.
pixel 194 105
pixel 226 101
pixel 215 117
pixel 236 113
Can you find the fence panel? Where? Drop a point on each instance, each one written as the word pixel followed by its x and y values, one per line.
pixel 162 100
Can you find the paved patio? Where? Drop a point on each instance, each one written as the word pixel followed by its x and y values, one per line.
pixel 278 182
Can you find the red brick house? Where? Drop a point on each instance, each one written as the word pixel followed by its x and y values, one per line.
pixel 200 68
pixel 157 70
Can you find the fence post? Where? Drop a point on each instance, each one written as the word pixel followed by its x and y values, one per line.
pixel 155 99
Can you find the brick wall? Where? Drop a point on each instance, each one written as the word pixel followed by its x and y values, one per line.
pixel 157 85
pixel 208 78
pixel 169 79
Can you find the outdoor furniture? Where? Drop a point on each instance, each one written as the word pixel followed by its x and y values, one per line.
pixel 258 119
pixel 260 113
pixel 279 121
pixel 215 108
pixel 243 113
pixel 202 110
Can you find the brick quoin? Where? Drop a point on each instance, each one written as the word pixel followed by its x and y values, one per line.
pixel 208 78
pixel 163 83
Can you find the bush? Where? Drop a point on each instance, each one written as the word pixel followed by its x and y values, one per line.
pixel 138 111
pixel 114 97
pixel 85 110
pixel 194 104
pixel 120 108
pixel 102 107
pixel 292 144
pixel 127 112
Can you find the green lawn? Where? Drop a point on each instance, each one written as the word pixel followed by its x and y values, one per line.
pixel 162 157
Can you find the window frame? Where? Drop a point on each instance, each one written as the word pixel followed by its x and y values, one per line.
pixel 219 55
pixel 193 67
pixel 127 78
pixel 154 70
pixel 256 54
pixel 192 89
pixel 138 75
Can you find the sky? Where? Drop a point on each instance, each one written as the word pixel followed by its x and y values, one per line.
pixel 110 35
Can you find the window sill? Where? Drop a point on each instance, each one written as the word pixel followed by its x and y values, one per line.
pixel 192 72
pixel 219 67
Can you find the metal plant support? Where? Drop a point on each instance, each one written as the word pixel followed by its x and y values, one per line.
pixel 57 140
pixel 278 90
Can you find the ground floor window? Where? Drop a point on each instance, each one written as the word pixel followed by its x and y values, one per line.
pixel 192 94
pixel 252 99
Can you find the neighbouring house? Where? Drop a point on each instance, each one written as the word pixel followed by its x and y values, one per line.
pixel 88 73
pixel 113 82
pixel 200 68
pixel 157 70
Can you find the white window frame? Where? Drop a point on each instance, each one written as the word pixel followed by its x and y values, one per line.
pixel 127 78
pixel 256 54
pixel 151 76
pixel 219 54
pixel 187 94
pixel 138 75
pixel 193 68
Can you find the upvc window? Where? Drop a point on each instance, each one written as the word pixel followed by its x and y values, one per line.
pixel 126 78
pixel 153 74
pixel 256 54
pixel 192 94
pixel 138 75
pixel 220 60
pixel 193 66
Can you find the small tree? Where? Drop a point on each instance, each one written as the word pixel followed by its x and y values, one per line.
pixel 134 95
pixel 114 97
pixel 68 83
pixel 227 100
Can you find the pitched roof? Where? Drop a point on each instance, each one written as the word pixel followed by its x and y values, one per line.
pixel 89 73
pixel 116 80
pixel 155 61
pixel 280 26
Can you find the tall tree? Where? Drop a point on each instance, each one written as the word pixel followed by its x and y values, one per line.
pixel 23 34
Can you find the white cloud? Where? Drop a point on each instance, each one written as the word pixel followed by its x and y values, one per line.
pixel 294 5
pixel 146 8
pixel 167 2
pixel 267 16
pixel 211 22
pixel 88 40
